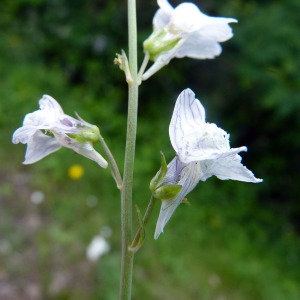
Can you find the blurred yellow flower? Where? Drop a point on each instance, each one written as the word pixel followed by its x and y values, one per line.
pixel 75 172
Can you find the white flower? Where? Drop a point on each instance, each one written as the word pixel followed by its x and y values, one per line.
pixel 98 247
pixel 202 149
pixel 184 31
pixel 48 129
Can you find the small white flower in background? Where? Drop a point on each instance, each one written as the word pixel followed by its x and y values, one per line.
pixel 37 197
pixel 99 246
pixel 91 201
pixel 48 129
pixel 184 31
pixel 202 149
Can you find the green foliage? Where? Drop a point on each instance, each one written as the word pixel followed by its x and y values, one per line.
pixel 236 240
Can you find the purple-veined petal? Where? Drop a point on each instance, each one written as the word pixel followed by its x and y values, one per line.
pixel 49 104
pixel 229 167
pixel 39 146
pixel 23 134
pixel 174 169
pixel 48 115
pixel 207 141
pixel 67 124
pixel 208 154
pixel 188 116
pixel 42 119
pixel 188 175
pixel 85 149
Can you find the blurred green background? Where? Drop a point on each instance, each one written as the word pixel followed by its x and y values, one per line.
pixel 235 240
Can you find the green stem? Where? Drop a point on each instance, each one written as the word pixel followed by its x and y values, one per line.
pixel 126 191
pixel 143 67
pixel 114 167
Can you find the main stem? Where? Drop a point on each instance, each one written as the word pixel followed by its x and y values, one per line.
pixel 126 191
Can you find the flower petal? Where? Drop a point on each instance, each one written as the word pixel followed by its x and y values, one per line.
pixel 208 141
pixel 37 118
pixel 85 149
pixel 49 104
pixel 188 177
pixel 165 5
pixel 48 115
pixel 163 15
pixel 204 43
pixel 186 18
pixel 23 134
pixel 217 29
pixel 188 116
pixel 39 146
pixel 198 47
pixel 229 167
pixel 208 154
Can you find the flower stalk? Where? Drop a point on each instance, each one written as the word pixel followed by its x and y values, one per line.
pixel 126 191
pixel 114 167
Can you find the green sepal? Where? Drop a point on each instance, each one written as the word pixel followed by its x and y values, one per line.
pixel 167 192
pixel 87 133
pixel 156 44
pixel 160 175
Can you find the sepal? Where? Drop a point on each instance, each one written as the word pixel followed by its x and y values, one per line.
pixel 161 190
pixel 158 42
pixel 86 133
pixel 160 175
pixel 167 192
